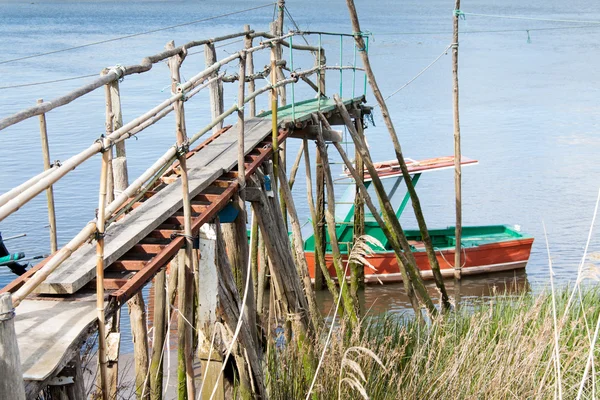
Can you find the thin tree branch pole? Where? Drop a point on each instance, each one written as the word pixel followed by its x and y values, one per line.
pixel 160 330
pixel 185 275
pixel 298 245
pixel 457 153
pixel 114 74
pixel 250 69
pixel 100 225
pixel 320 265
pixel 350 306
pixel 108 121
pixel 139 333
pixel 274 123
pixel 49 191
pixel 294 170
pixel 254 254
pixel 398 240
pixel 433 262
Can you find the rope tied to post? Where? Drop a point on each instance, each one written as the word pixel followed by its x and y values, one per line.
pixel 104 148
pixel 120 71
pixel 6 316
pixel 184 148
pixel 179 90
pixel 459 14
pixel 361 35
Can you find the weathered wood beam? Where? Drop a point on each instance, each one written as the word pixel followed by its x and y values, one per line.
pixel 311 131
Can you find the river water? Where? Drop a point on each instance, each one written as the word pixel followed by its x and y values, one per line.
pixel 528 92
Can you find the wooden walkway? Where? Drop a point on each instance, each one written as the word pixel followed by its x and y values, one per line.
pixel 52 324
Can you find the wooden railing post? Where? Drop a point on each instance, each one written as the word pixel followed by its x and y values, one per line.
pixel 357 270
pixel 185 284
pixel 215 88
pixel 49 191
pixel 250 71
pixel 11 382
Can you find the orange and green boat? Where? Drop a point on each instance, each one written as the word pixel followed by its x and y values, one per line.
pixel 485 249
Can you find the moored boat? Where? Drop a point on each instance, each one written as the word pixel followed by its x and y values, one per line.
pixel 485 249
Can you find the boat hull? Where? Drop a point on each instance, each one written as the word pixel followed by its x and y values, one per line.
pixel 482 259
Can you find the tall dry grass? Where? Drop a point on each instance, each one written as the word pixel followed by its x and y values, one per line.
pixel 494 350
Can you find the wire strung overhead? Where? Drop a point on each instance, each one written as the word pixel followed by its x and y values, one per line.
pixel 136 34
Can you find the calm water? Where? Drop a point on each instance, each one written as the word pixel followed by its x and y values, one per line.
pixel 529 111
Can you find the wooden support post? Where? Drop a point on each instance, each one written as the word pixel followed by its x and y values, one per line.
pixel 185 286
pixel 350 305
pixel 298 245
pixel 320 265
pixel 11 384
pixel 100 226
pixel 248 357
pixel 284 277
pixel 296 165
pixel 457 153
pixel 240 103
pixel 49 191
pixel 282 89
pixel 113 347
pixel 139 333
pixel 254 254
pixel 431 256
pixel 262 273
pixel 357 270
pixel 319 217
pixel 159 334
pixel 250 70
pixel 119 163
pixel 395 234
pixel 215 88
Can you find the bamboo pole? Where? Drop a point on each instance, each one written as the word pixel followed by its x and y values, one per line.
pixel 298 245
pixel 100 226
pixel 320 266
pixel 349 304
pixel 405 258
pixel 274 123
pixel 457 153
pixel 250 69
pixel 262 273
pixel 49 191
pixel 241 125
pixel 185 371
pixel 435 268
pixel 11 384
pixel 5 197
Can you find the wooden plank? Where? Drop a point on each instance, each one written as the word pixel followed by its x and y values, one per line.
pixel 43 341
pixel 204 168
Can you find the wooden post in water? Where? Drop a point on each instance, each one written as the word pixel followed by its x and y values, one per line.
pixel 457 153
pixel 404 256
pixel 431 255
pixel 319 216
pixel 49 191
pixel 250 70
pixel 349 304
pixel 11 384
pixel 357 270
pixel 214 88
pixel 320 266
pixel 185 370
pixel 160 331
pixel 137 314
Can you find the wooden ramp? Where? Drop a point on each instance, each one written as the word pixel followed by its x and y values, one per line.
pixel 52 324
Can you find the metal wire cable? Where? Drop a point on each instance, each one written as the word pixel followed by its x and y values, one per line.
pixel 420 73
pixel 137 34
pixel 488 31
pixel 46 82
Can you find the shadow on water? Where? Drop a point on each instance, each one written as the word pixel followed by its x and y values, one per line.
pixel 379 299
